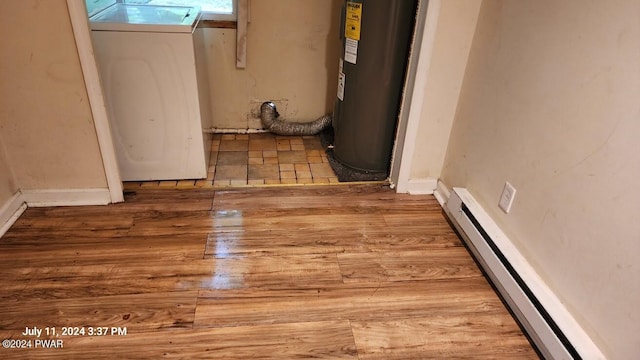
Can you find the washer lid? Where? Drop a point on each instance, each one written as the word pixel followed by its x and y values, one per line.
pixel 95 6
pixel 150 18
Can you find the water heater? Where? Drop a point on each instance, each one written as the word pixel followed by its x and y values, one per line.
pixel 376 37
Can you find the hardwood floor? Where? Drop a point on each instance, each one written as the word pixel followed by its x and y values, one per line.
pixel 353 272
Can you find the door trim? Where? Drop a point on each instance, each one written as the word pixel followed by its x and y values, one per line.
pixel 411 115
pixel 82 34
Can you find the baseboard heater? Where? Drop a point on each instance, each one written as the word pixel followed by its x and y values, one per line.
pixel 548 323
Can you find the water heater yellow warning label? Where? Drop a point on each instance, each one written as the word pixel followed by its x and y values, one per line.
pixel 353 20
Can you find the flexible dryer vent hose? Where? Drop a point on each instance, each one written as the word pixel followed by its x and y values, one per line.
pixel 269 116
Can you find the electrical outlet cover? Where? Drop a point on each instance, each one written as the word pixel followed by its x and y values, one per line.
pixel 506 199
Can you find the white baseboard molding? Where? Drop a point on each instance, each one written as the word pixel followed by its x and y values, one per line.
pixel 442 193
pixel 10 211
pixel 419 186
pixel 66 197
pixel 556 333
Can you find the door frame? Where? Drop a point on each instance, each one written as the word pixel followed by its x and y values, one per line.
pixel 82 34
pixel 409 120
pixel 413 102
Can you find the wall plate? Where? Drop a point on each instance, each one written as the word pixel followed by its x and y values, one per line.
pixel 506 199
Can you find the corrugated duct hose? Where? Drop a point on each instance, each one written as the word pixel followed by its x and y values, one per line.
pixel 269 116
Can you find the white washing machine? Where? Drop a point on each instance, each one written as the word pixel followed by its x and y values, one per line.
pixel 151 63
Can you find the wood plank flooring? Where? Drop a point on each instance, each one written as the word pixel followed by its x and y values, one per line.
pixel 336 272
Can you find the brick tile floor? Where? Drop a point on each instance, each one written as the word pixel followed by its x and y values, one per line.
pixel 258 159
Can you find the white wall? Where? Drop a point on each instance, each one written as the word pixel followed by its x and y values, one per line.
pixel 452 43
pixel 550 102
pixel 292 56
pixel 45 119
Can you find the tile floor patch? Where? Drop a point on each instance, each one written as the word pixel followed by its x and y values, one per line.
pixel 234 145
pixel 262 144
pixel 231 172
pixel 213 158
pixel 258 160
pixel 256 172
pixel 292 157
pixel 232 158
pixel 312 143
pixel 321 170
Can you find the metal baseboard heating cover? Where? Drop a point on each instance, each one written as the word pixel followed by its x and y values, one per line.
pixel 551 327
